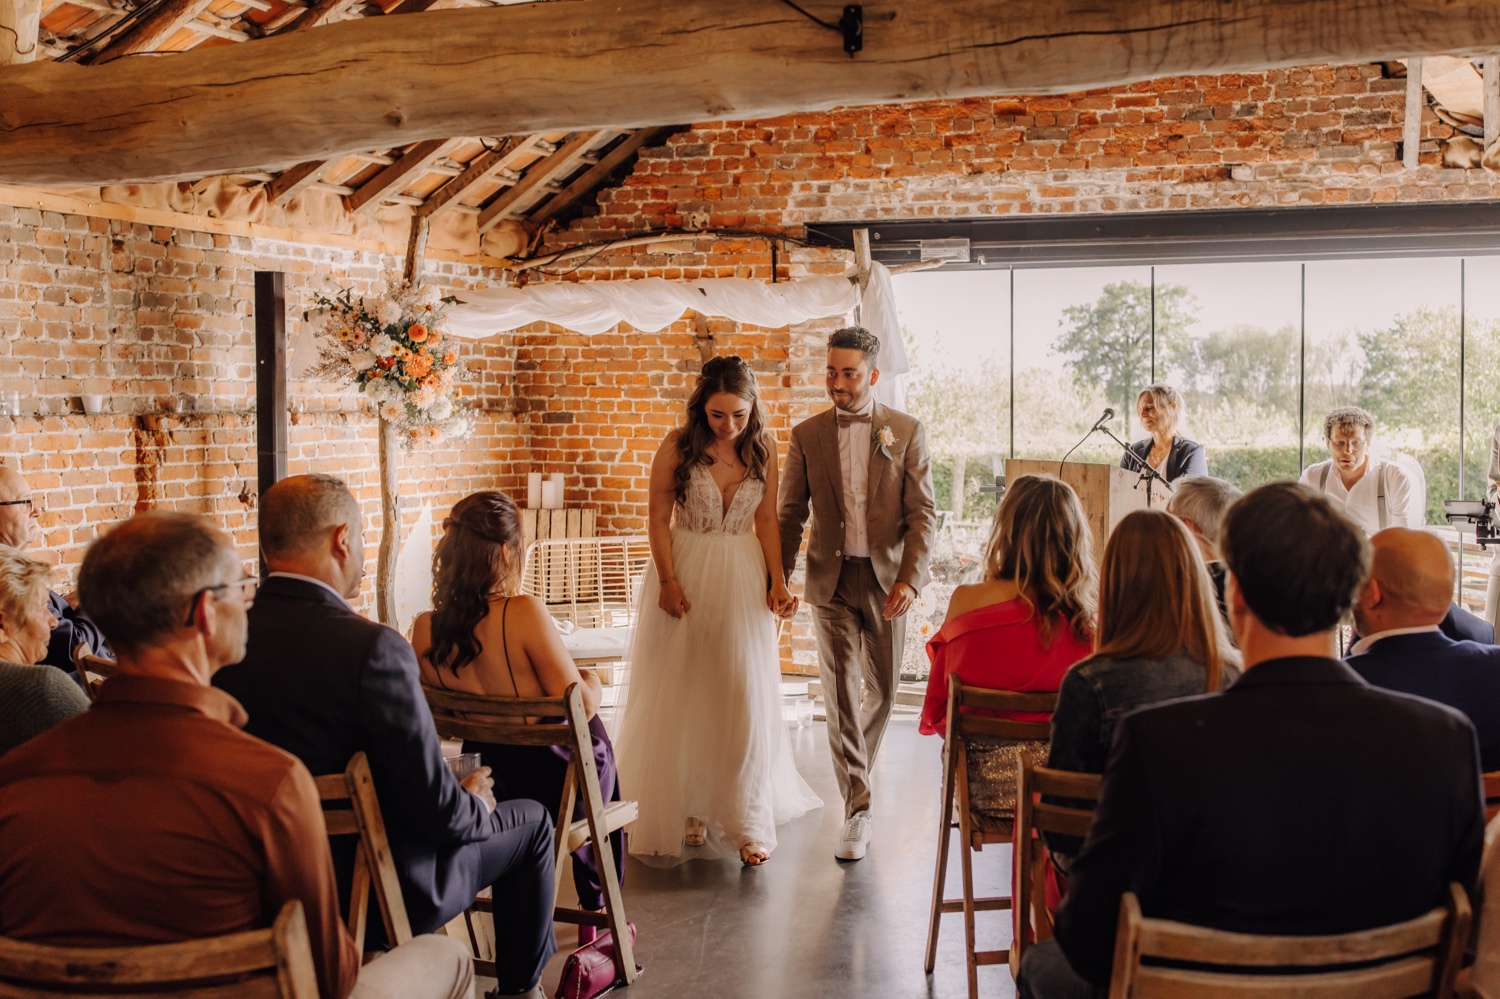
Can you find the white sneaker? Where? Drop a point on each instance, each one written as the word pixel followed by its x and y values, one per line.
pixel 855 837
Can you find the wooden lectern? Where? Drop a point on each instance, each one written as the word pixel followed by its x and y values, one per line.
pixel 1108 492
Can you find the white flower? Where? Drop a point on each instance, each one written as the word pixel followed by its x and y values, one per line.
pixel 887 436
pixel 382 346
pixel 361 360
pixel 390 312
pixel 429 296
pixel 392 411
pixel 442 409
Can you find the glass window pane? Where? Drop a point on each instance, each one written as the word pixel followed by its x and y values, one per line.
pixel 1384 335
pixel 1481 370
pixel 1228 336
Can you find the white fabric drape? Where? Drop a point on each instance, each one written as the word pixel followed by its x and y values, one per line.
pixel 650 304
pixel 877 313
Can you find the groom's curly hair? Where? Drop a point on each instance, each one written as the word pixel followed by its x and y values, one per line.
pixel 857 338
pixel 721 374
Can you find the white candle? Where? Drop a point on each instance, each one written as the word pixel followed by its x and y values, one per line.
pixel 549 495
pixel 534 491
pixel 557 490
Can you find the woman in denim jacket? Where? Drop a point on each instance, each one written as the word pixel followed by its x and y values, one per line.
pixel 1159 637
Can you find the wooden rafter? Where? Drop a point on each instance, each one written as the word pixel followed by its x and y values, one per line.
pixel 538 176
pixel 390 180
pixel 294 180
pixel 320 12
pixel 481 168
pixel 153 30
pixel 372 83
pixel 596 174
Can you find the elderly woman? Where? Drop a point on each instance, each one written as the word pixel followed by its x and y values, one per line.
pixel 1163 415
pixel 32 698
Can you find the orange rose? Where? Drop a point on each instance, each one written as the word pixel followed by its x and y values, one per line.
pixel 385 363
pixel 417 332
pixel 450 357
pixel 418 365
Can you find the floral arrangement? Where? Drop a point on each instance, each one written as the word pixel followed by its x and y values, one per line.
pixel 395 351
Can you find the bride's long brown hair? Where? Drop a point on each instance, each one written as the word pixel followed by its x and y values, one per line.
pixel 479 555
pixel 721 374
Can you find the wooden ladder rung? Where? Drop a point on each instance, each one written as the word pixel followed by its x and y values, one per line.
pixel 980 904
pixel 617 814
pixel 982 957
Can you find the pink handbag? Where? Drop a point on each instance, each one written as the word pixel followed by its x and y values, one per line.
pixel 590 970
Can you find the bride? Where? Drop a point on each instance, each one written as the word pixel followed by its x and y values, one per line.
pixel 702 747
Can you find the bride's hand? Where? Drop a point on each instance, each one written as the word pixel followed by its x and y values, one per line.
pixel 672 599
pixel 780 601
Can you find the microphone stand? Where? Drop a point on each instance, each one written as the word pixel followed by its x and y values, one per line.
pixel 1149 474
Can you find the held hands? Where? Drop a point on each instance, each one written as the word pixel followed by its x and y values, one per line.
pixel 482 786
pixel 672 599
pixel 898 601
pixel 780 601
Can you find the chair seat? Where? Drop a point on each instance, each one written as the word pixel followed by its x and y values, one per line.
pixel 617 814
pixel 587 644
pixel 990 829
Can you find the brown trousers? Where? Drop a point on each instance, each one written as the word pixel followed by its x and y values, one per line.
pixel 858 661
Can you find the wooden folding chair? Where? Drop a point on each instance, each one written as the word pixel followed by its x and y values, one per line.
pixel 504 721
pixel 92 669
pixel 1491 794
pixel 975 831
pixel 1033 923
pixel 1420 957
pixel 278 962
pixel 356 812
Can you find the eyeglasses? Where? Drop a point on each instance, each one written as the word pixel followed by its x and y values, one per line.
pixel 28 501
pixel 1353 444
pixel 249 582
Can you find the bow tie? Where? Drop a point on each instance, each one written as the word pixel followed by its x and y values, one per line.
pixel 847 418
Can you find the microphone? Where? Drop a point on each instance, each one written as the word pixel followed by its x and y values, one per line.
pixel 1109 414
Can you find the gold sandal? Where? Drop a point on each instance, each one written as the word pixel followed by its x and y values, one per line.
pixel 754 854
pixel 696 833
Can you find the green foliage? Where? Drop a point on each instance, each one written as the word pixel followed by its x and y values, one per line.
pixel 1108 343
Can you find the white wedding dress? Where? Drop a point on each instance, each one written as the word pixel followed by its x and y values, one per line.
pixel 703 734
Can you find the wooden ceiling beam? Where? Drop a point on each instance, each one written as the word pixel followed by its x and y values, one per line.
pixel 152 31
pixel 480 169
pixel 374 83
pixel 597 174
pixel 391 180
pixel 294 180
pixel 538 176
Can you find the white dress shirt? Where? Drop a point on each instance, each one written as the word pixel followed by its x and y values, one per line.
pixel 315 582
pixel 1363 645
pixel 1361 503
pixel 854 463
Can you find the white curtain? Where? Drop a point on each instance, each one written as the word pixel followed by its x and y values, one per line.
pixel 649 305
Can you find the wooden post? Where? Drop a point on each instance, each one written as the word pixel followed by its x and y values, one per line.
pixel 19 21
pixel 270 380
pixel 861 269
pixel 1411 129
pixel 390 489
pixel 1491 101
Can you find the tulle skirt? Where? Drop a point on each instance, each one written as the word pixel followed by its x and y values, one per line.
pixel 703 735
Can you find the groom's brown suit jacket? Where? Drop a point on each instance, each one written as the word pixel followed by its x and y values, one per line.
pixel 900 513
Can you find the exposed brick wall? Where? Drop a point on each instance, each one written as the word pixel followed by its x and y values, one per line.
pixel 159 321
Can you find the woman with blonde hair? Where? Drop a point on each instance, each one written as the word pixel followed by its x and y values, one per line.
pixel 1160 636
pixel 1021 627
pixel 1163 414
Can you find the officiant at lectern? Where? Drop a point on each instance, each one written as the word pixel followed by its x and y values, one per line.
pixel 1163 414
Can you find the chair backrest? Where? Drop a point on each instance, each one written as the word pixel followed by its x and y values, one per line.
pixel 275 963
pixel 350 808
pixel 1420 957
pixel 592 582
pixel 85 662
pixel 966 725
pixel 1491 794
pixel 1034 817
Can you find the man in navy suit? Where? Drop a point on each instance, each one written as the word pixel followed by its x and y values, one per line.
pixel 1301 800
pixel 1399 613
pixel 324 683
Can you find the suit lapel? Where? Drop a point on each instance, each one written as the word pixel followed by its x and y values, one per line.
pixel 879 463
pixel 828 441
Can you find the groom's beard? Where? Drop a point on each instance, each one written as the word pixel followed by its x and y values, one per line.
pixel 851 405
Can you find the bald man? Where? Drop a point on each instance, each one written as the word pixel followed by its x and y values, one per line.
pixel 20 530
pixel 1408 595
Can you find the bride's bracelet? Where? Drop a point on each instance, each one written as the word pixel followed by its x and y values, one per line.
pixel 667 579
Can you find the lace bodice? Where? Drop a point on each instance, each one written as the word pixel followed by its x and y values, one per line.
pixel 703 511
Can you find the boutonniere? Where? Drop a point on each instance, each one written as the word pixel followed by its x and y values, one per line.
pixel 884 439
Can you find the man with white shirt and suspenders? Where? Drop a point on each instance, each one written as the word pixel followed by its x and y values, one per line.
pixel 1373 492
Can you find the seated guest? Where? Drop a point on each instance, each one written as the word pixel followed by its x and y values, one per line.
pixel 1464 626
pixel 1022 627
pixel 32 698
pixel 1411 581
pixel 483 638
pixel 170 823
pixel 1372 492
pixel 324 683
pixel 1163 415
pixel 19 530
pixel 1299 801
pixel 1159 637
pixel 1200 503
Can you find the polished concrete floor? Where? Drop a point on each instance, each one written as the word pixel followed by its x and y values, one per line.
pixel 809 925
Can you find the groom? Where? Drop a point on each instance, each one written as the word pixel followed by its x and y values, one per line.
pixel 863 469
